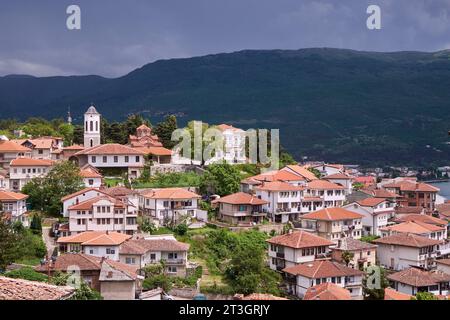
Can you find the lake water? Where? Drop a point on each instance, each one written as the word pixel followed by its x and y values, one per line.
pixel 445 188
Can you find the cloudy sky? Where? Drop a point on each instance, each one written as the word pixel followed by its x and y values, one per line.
pixel 121 35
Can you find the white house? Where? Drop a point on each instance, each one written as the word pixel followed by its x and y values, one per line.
pixel 113 155
pixel 296 247
pixel 443 265
pixel 42 147
pixel 79 196
pixel 92 178
pixel 103 213
pixel 15 206
pixel 168 204
pixel 376 212
pixel 22 170
pixel 99 244
pixel 10 150
pixel 305 275
pixel 156 249
pixel 403 250
pixel 333 223
pixel 327 169
pixel 341 179
pixel 234 146
pixel 414 280
pixel 284 200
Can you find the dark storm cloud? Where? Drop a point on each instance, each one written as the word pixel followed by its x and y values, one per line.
pixel 118 36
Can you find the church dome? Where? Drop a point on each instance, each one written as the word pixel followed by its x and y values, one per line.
pixel 92 110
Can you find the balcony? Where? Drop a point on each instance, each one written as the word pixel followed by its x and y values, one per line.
pixel 174 261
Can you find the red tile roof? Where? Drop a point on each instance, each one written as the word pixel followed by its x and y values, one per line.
pixel 277 175
pixel 12 196
pixel 110 149
pixel 332 214
pixel 407 240
pixel 415 227
pixel 88 204
pixel 85 190
pixel 327 291
pixel 412 186
pixel 300 239
pixel 302 171
pixel 322 269
pixel 419 278
pixel 141 246
pixel 422 218
pixel 96 238
pixel 339 176
pixel 170 193
pixel 241 198
pixel 19 289
pixel 391 294
pixel 157 151
pixel 21 162
pixel 371 202
pixel 324 185
pixel 10 146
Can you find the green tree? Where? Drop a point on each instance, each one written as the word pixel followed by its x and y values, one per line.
pixel 164 131
pixel 315 172
pixel 181 229
pixel 222 179
pixel 45 193
pixel 248 274
pixel 424 296
pixel 8 243
pixel 36 224
pixel 358 186
pixel 78 135
pixel 66 130
pixel 347 256
pixel 84 292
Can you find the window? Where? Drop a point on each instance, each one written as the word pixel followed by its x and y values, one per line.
pixel 171 269
pixel 173 255
pixel 94 159
pixel 40 151
pixel 127 158
pixel 138 158
pixel 116 159
pixel 242 207
pixel 110 251
pixel 130 260
pixel 166 204
pixel 152 256
pixel 105 159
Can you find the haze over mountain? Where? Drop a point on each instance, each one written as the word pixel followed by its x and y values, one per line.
pixel 332 104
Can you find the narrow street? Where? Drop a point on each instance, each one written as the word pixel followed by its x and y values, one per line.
pixel 49 241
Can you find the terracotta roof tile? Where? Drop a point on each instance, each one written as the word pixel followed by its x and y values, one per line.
pixel 350 244
pixel 407 240
pixel 110 149
pixel 88 204
pixel 170 193
pixel 422 218
pixel 327 291
pixel 10 146
pixel 322 269
pixel 20 162
pixel 371 202
pixel 157 151
pixel 415 227
pixel 96 238
pixel 391 294
pixel 241 198
pixel 79 193
pixel 332 214
pixel 12 196
pixel 302 171
pixel 19 289
pixel 140 246
pixel 419 278
pixel 324 185
pixel 300 239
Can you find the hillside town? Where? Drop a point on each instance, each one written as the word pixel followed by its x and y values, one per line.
pixel 110 229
